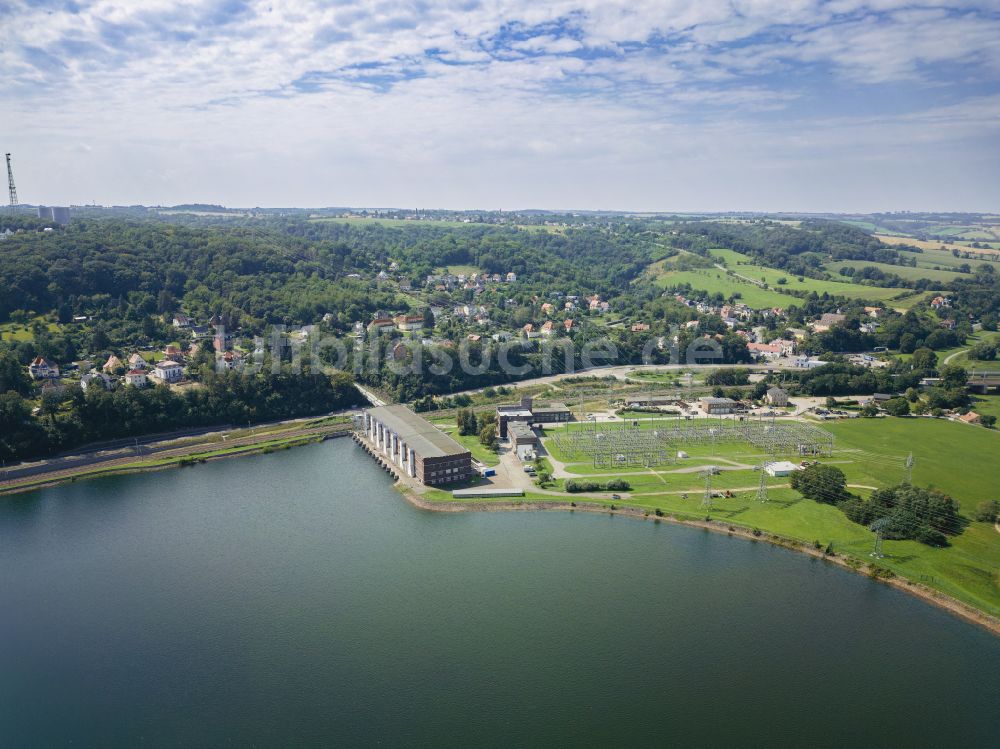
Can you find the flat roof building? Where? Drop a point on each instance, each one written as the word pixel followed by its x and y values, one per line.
pixel 521 433
pixel 416 446
pixel 717 405
pixel 780 468
pixel 527 412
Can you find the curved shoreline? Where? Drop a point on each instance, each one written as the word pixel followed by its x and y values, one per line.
pixel 934 597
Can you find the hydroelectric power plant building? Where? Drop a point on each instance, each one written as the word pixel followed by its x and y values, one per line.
pixel 415 446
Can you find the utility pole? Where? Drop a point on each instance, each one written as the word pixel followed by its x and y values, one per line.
pixel 11 189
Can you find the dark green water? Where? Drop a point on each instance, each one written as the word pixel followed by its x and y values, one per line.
pixel 296 600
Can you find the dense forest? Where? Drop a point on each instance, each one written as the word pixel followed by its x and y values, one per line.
pixel 111 282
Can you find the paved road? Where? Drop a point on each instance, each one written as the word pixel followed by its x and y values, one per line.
pixel 624 371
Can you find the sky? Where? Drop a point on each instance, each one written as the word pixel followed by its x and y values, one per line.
pixel 648 105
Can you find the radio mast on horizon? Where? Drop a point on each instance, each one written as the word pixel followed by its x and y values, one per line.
pixel 11 189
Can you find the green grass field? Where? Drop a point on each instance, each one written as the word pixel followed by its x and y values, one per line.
pixel 478 450
pixel 718 281
pixel 715 281
pixel 462 269
pixel 745 266
pixel 903 271
pixel 16 332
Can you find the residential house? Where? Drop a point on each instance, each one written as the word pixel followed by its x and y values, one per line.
pixel 168 371
pixel 776 397
pixel 43 369
pixel 113 365
pixel 230 360
pixel 640 327
pixel 137 362
pixel 136 378
pixel 95 379
pixel 827 321
pixel 409 322
pixel 547 308
pixel 970 418
pixel 380 325
pixel 181 321
pixel 786 345
pixel 568 324
pixel 546 328
pixel 764 350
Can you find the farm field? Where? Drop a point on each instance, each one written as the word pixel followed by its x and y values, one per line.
pixel 944 260
pixel 714 281
pixel 927 244
pixel 904 271
pixel 745 266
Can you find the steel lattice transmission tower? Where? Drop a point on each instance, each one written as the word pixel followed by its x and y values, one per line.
pixel 706 500
pixel 878 528
pixel 908 473
pixel 762 486
pixel 11 189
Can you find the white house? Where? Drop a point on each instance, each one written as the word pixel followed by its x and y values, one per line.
pixel 43 369
pixel 95 379
pixel 136 378
pixel 137 362
pixel 168 371
pixel 181 321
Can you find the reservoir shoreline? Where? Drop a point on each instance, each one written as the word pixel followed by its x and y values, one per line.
pixel 936 598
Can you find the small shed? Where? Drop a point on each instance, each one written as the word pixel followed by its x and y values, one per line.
pixel 780 468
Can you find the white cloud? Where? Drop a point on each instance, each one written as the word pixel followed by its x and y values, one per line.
pixel 488 103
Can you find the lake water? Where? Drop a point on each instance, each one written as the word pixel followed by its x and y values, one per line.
pixel 295 599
